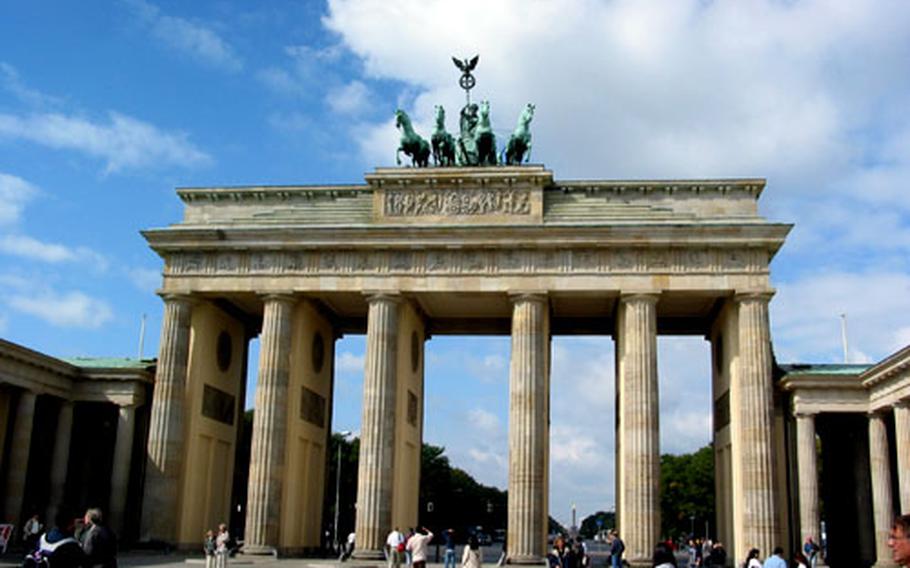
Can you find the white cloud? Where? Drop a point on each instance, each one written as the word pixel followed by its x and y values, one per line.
pixel 308 69
pixel 33 249
pixel 485 422
pixel 11 82
pixel 146 279
pixel 350 99
pixel 347 362
pixel 69 309
pixel 15 192
pixel 195 39
pixel 124 142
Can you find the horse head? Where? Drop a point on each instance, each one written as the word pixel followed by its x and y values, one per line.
pixel 528 113
pixel 440 116
pixel 401 118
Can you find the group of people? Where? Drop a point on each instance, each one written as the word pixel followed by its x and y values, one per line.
pixel 571 553
pixel 412 549
pixel 71 543
pixel 705 553
pixel 217 547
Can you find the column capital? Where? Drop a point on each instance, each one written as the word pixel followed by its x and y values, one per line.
pixel 528 296
pixel 903 404
pixel 175 297
pixel 383 296
pixel 284 296
pixel 804 413
pixel 877 413
pixel 741 296
pixel 639 296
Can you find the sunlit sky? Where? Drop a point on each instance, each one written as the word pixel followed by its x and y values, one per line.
pixel 106 107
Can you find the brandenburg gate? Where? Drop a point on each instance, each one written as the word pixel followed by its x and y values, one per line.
pixel 417 252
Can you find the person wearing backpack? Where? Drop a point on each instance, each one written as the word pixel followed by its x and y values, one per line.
pixel 617 547
pixel 98 542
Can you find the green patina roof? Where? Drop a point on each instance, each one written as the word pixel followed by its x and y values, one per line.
pixel 826 368
pixel 109 362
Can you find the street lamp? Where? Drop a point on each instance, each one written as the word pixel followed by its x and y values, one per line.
pixel 344 437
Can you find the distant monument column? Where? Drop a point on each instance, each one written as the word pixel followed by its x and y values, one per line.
pixel 807 471
pixel 529 438
pixel 902 443
pixel 19 454
pixel 377 428
pixel 165 440
pixel 638 430
pixel 267 453
pixel 123 456
pixel 880 470
pixel 753 405
pixel 60 460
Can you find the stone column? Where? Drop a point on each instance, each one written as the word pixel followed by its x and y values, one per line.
pixel 60 460
pixel 120 476
pixel 377 428
pixel 638 429
pixel 807 471
pixel 165 439
pixel 267 452
pixel 880 469
pixel 18 456
pixel 529 438
pixel 754 439
pixel 902 443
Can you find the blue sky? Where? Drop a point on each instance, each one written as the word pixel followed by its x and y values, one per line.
pixel 106 107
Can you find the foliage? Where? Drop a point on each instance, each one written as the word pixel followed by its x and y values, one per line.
pixel 687 492
pixel 589 524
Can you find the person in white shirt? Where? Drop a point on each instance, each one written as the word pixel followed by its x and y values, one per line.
pixel 395 544
pixel 418 545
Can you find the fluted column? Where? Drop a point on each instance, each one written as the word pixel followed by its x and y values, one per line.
pixel 880 470
pixel 19 455
pixel 529 415
pixel 754 436
pixel 120 476
pixel 807 470
pixel 165 440
pixel 638 429
pixel 267 452
pixel 902 443
pixel 60 460
pixel 377 428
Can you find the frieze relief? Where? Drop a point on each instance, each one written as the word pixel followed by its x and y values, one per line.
pixel 481 262
pixel 456 202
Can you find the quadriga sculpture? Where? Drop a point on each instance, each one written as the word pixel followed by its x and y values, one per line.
pixel 443 142
pixel 411 143
pixel 486 141
pixel 518 148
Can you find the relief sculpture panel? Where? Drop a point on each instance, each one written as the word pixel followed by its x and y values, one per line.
pixel 456 202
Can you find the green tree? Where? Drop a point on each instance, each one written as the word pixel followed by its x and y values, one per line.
pixel 589 524
pixel 687 492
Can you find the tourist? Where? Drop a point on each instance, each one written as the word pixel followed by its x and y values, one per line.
pixel 899 540
pixel 663 556
pixel 472 556
pixel 752 560
pixel 810 549
pixel 776 560
pixel 31 530
pixel 347 548
pixel 617 547
pixel 417 546
pixel 449 536
pixel 394 546
pixel 407 551
pixel 222 546
pixel 502 555
pixel 799 560
pixel 717 557
pixel 57 547
pixel 98 542
pixel 208 546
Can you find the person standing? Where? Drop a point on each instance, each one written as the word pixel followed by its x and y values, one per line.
pixel 417 545
pixel 752 560
pixel 472 557
pixel 222 546
pixel 449 537
pixel 30 532
pixel 899 540
pixel 98 542
pixel 776 560
pixel 395 545
pixel 208 546
pixel 810 550
pixel 617 547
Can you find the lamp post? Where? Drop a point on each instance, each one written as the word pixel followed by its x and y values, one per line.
pixel 344 437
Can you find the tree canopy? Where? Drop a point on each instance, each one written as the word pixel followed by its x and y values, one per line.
pixel 687 492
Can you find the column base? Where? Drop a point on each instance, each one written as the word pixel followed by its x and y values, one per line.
pixel 638 562
pixel 884 564
pixel 527 560
pixel 362 554
pixel 259 550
